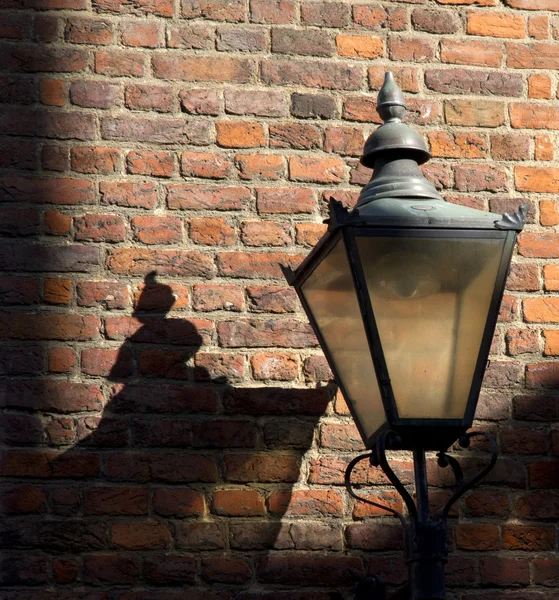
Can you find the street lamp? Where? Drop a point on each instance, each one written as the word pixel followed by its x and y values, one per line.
pixel 403 293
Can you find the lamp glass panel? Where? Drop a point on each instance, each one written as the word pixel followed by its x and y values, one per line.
pixel 331 296
pixel 431 298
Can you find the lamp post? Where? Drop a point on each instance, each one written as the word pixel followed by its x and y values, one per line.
pixel 403 293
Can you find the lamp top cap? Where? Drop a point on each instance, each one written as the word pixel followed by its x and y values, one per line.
pixel 390 100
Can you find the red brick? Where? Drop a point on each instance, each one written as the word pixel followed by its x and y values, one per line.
pixel 212 232
pixel 240 134
pixel 260 166
pixel 316 170
pixel 207 297
pixel 140 535
pixel 200 101
pixel 481 113
pixel 486 504
pixel 65 570
pixel 149 97
pixel 101 361
pixel 326 14
pixel 545 571
pixel 23 500
pixel 295 135
pixel 143 35
pixel 510 146
pixel 157 230
pixel 49 326
pixel 407 78
pixel 200 536
pixel 377 17
pixel 469 81
pixel 471 52
pixel 551 277
pixel 146 162
pixel 308 234
pixel 475 178
pixel 195 36
pixel 81 30
pixel 109 569
pixel 542 375
pixel 103 500
pixel 120 63
pixel 216 10
pixel 306 503
pixel 458 145
pixel 412 49
pixel 57 223
pixel 105 294
pixel 539 55
pixel 543 147
pixel 219 368
pixel 276 366
pixel 265 233
pixel 132 261
pixel 46 28
pixel 540 245
pixel 539 86
pixel 53 92
pixel 308 42
pixel 264 468
pixel 534 116
pixel 331 76
pixel 520 341
pixel 285 200
pixel 161 8
pixel 262 103
pixel 272 11
pixel 280 333
pixel 538 27
pixel 100 228
pixel 505 571
pixel 205 164
pixel 359 46
pixel 523 277
pixel 242 39
pixel 254 265
pixel 522 537
pixel 340 437
pixel 61 360
pixel 102 161
pixel 202 68
pixel 191 197
pixel 477 537
pixel 171 502
pixel 435 21
pixel 161 130
pixel 94 94
pixel 238 503
pixel 57 291
pixel 50 191
pixel 496 24
pixel 271 299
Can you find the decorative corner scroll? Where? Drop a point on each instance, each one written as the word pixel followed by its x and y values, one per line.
pixel 515 221
pixel 339 214
pixel 288 273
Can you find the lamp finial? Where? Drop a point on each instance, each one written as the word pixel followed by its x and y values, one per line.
pixel 390 100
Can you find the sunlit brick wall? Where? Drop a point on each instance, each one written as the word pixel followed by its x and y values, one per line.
pixel 174 436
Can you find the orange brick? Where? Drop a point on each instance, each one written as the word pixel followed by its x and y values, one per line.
pixel 260 166
pixel 458 145
pixel 543 147
pixel 493 24
pixel 58 291
pixel 205 164
pixel 238 503
pixel 57 223
pixel 536 179
pixel 551 278
pixel 539 86
pixel 538 27
pixel 539 245
pixel 541 310
pixel 61 360
pixel 471 52
pixel 551 342
pixel 549 213
pixel 359 46
pixel 53 92
pixel 318 170
pixel 239 134
pixel 481 113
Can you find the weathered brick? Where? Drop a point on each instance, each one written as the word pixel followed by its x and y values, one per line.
pixel 463 81
pixel 199 101
pixel 240 134
pixel 331 76
pixel 191 197
pixel 140 34
pixel 539 55
pixel 95 160
pixel 411 49
pixel 212 232
pixel 195 36
pixel 326 14
pixel 100 228
pixel 94 94
pixel 255 102
pixel 272 11
pixel 205 164
pixel 149 97
pixel 359 46
pixel 201 68
pixel 128 194
pixel 306 42
pixel 300 136
pixel 482 113
pixel 146 162
pixel 496 24
pixel 120 63
pixel 241 39
pixel 377 17
pixel 162 130
pixel 435 21
pixel 260 166
pixel 157 229
pixel 471 52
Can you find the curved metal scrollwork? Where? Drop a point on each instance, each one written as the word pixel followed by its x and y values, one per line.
pixel 378 458
pixel 461 487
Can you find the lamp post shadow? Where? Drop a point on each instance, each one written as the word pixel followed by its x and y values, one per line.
pixel 185 478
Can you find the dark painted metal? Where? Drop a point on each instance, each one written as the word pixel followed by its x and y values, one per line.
pixel 425 534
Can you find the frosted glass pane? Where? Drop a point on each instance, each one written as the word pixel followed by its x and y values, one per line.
pixel 331 296
pixel 431 299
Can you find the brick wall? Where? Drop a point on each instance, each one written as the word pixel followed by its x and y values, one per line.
pixel 174 436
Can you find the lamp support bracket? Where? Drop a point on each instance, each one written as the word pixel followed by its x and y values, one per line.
pixel 425 534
